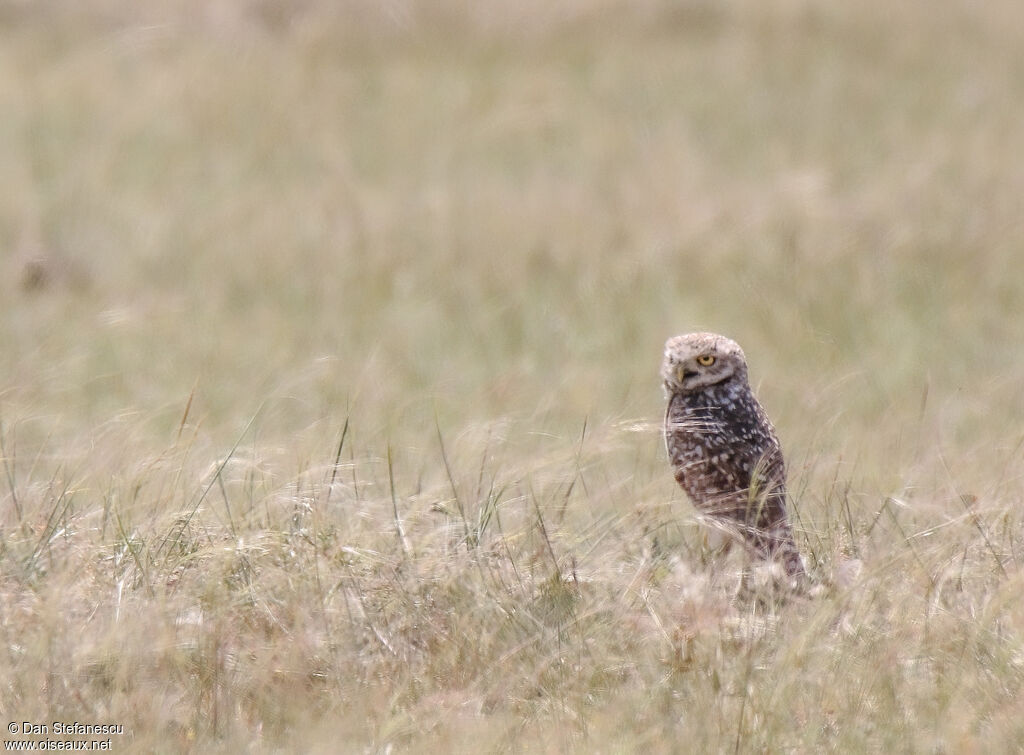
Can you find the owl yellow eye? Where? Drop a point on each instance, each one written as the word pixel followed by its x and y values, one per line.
pixel 705 360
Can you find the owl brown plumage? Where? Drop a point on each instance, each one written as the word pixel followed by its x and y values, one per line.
pixel 723 450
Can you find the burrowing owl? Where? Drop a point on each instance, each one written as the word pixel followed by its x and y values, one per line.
pixel 723 450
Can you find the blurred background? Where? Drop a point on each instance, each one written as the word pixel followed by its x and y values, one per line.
pixel 391 211
pixel 444 243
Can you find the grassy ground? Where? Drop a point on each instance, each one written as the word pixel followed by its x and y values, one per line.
pixel 328 371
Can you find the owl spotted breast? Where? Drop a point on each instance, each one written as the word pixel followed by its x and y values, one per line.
pixel 723 450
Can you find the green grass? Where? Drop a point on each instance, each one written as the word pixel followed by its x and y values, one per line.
pixel 329 342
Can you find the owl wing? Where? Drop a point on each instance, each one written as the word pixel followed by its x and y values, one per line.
pixel 766 494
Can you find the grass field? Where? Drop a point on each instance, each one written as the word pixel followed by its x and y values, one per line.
pixel 329 346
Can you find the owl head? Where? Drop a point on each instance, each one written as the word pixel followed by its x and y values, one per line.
pixel 697 360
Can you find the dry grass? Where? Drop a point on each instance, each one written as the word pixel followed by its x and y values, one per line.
pixel 329 389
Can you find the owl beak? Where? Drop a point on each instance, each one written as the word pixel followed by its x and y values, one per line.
pixel 682 373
